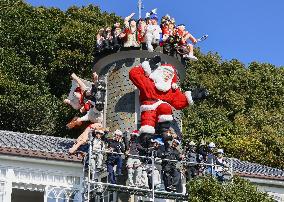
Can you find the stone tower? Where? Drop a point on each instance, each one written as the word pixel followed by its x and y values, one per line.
pixel 122 109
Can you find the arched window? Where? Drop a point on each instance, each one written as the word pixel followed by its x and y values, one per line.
pixel 58 194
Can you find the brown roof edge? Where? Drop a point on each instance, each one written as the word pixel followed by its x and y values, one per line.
pixel 280 178
pixel 41 154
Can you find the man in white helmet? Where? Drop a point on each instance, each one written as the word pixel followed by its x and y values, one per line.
pixel 191 158
pixel 220 165
pixel 98 148
pixel 171 174
pixel 133 162
pixel 116 148
pixel 211 158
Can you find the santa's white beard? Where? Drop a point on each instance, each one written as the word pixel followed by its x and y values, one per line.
pixel 160 83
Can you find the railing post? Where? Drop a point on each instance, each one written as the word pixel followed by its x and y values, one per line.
pixel 90 152
pixel 153 168
pixel 231 168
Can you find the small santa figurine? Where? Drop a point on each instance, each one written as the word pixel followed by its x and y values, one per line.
pixel 130 32
pixel 184 36
pixel 159 93
pixel 153 32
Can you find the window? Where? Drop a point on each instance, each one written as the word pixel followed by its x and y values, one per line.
pixel 57 194
pixel 2 191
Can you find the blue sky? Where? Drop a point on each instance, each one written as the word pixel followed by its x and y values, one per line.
pixel 248 30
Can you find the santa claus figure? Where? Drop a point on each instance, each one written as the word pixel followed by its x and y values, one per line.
pixel 159 93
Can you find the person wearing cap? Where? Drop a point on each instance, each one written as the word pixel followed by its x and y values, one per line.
pixel 130 32
pixel 107 42
pixel 116 36
pixel 100 39
pixel 201 156
pixel 211 158
pixel 191 158
pixel 183 37
pixel 153 32
pixel 202 152
pixel 98 148
pixel 157 149
pixel 220 165
pixel 141 30
pixel 171 174
pixel 116 148
pixel 133 162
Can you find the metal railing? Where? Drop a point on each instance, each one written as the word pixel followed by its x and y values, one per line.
pixel 152 192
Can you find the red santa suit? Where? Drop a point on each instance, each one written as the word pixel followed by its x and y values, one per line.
pixel 157 101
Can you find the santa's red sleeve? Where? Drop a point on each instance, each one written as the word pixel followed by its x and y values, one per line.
pixel 181 100
pixel 139 74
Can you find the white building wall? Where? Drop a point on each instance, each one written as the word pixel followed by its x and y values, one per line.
pixel 275 188
pixel 56 178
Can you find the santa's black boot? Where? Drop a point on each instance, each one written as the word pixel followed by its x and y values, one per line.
pixel 145 139
pixel 199 94
pixel 163 127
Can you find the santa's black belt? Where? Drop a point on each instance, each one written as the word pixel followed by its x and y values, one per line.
pixel 151 100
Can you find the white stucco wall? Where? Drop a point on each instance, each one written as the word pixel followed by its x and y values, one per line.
pixel 274 188
pixel 46 176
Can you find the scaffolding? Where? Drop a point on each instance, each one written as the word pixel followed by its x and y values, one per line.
pixel 97 187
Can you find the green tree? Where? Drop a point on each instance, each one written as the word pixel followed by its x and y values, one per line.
pixel 244 113
pixel 206 189
pixel 40 48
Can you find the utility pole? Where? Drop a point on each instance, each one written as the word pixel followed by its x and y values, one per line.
pixel 140 8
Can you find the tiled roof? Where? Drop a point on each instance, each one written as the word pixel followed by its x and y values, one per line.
pixel 254 170
pixel 36 146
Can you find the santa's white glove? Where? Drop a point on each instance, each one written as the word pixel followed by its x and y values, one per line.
pixel 174 86
pixel 146 67
pixel 188 97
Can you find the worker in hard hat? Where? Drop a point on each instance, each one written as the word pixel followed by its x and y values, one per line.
pixel 171 175
pixel 211 158
pixel 191 158
pixel 221 164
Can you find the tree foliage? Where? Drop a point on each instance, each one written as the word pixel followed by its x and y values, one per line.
pixel 40 48
pixel 245 111
pixel 205 189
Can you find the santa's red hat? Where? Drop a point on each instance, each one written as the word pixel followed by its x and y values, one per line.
pixel 135 132
pixel 172 69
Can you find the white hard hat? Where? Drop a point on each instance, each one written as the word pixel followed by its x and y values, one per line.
pixel 118 132
pixel 211 144
pixel 220 151
pixel 191 143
